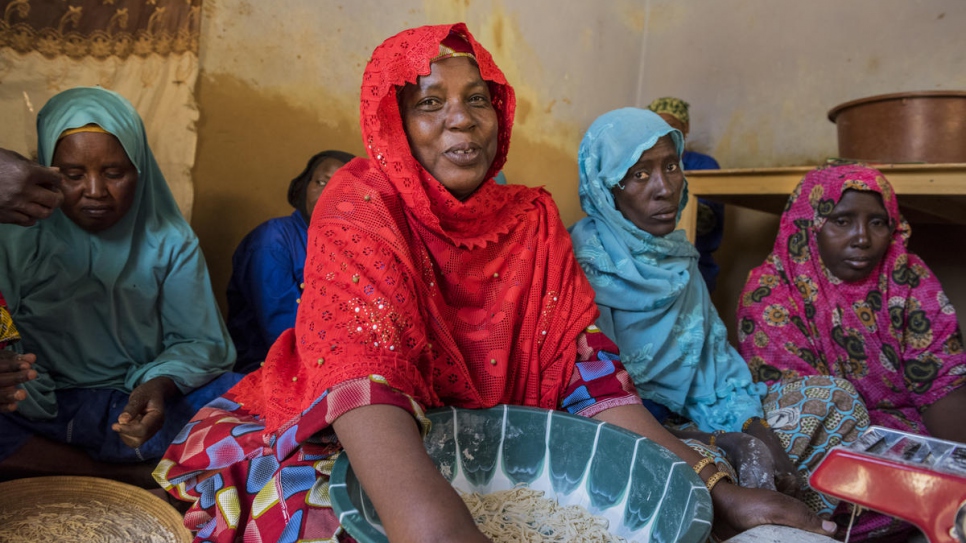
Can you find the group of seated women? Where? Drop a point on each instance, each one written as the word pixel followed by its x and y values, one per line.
pixel 426 284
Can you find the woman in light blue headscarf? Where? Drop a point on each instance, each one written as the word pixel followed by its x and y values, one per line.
pixel 112 295
pixel 655 305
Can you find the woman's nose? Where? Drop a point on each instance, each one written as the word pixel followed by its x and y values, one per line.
pixel 662 184
pixel 861 236
pixel 95 187
pixel 458 116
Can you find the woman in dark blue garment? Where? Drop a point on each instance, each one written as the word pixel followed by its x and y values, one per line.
pixel 266 281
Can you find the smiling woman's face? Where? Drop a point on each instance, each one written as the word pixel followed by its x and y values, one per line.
pixel 451 124
pixel 652 189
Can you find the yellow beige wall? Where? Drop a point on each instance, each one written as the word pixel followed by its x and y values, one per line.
pixel 280 82
pixel 761 76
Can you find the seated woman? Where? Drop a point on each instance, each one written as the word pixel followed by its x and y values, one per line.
pixel 655 305
pixel 427 285
pixel 840 295
pixel 266 279
pixel 112 299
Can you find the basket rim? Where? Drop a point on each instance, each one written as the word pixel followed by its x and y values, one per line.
pixel 80 489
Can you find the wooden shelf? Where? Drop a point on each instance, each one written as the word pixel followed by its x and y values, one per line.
pixel 928 193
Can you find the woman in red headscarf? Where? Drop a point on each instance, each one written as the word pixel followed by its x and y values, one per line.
pixel 427 285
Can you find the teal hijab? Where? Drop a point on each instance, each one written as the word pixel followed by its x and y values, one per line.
pixel 115 308
pixel 652 300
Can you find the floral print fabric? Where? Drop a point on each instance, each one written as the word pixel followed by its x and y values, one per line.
pixel 894 335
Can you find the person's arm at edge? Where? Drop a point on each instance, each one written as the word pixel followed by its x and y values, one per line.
pixel 944 417
pixel 28 191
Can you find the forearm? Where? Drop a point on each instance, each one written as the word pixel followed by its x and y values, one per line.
pixel 167 387
pixel 637 419
pixel 415 502
pixel 943 418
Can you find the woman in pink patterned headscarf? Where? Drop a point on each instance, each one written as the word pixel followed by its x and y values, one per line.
pixel 840 295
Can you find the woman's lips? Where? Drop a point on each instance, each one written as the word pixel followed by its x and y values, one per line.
pixel 464 155
pixel 666 215
pixel 98 211
pixel 858 263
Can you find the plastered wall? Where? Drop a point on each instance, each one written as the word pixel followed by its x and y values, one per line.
pixel 761 76
pixel 279 82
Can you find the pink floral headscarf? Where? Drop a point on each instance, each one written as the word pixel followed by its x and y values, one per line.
pixel 894 335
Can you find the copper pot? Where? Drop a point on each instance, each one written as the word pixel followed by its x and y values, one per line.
pixel 927 126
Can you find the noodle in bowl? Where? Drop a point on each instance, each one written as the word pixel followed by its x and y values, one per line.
pixel 637 489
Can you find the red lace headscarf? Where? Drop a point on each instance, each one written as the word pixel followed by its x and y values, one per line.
pixel 465 303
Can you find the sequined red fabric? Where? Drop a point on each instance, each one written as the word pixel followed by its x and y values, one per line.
pixel 466 304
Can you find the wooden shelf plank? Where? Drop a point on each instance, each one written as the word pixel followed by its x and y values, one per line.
pixel 928 192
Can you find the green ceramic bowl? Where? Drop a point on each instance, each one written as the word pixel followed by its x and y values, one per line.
pixel 644 491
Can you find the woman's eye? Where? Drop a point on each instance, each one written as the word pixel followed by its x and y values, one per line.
pixel 640 174
pixel 428 103
pixel 841 222
pixel 114 174
pixel 479 99
pixel 672 167
pixel 74 176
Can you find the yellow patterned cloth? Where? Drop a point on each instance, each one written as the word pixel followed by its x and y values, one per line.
pixel 675 107
pixel 8 332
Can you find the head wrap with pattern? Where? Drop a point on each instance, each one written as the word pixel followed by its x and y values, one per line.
pixel 894 334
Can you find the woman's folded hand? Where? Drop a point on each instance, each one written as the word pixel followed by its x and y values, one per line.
pixel 14 370
pixel 143 415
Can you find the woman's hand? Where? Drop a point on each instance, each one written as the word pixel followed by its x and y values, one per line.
pixel 761 462
pixel 143 415
pixel 737 509
pixel 28 191
pixel 14 370
pixel 787 479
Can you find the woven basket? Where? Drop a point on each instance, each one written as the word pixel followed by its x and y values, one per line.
pixel 151 513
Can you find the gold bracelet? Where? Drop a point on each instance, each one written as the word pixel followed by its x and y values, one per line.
pixel 714 437
pixel 744 427
pixel 703 463
pixel 717 477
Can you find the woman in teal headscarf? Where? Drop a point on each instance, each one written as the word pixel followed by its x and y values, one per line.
pixel 656 307
pixel 112 295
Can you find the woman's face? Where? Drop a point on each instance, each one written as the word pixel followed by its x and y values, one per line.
pixel 99 179
pixel 652 189
pixel 451 124
pixel 320 177
pixel 855 236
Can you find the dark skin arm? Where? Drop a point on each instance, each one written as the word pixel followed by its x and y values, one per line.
pixel 757 456
pixel 144 414
pixel 415 502
pixel 944 418
pixel 15 369
pixel 28 191
pixel 787 479
pixel 736 509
